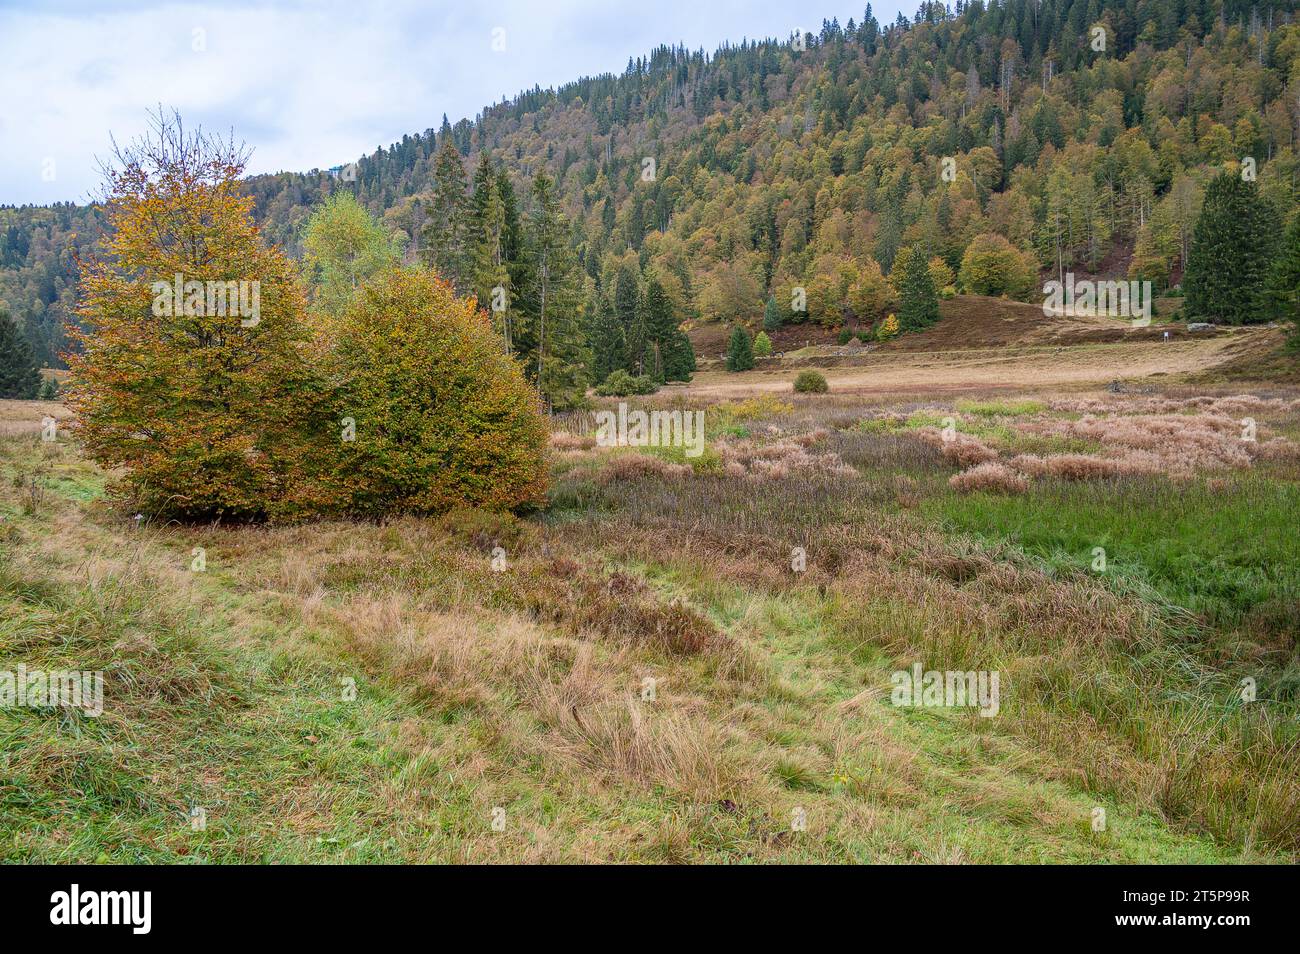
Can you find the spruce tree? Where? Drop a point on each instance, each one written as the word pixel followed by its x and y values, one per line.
pixel 627 306
pixel 660 327
pixel 918 300
pixel 1232 253
pixel 19 377
pixel 446 234
pixel 740 351
pixel 488 250
pixel 1284 282
pixel 771 315
pixel 679 357
pixel 608 349
pixel 559 366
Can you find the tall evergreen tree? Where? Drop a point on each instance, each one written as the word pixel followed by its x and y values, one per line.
pixel 561 359
pixel 918 306
pixel 608 347
pixel 1231 259
pixel 740 350
pixel 771 315
pixel 1284 282
pixel 446 233
pixel 491 278
pixel 627 306
pixel 19 377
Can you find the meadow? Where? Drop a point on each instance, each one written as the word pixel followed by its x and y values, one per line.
pixel 689 658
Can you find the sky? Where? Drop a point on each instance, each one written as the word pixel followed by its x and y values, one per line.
pixel 317 84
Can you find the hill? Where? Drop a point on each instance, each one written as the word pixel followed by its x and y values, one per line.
pixel 1083 132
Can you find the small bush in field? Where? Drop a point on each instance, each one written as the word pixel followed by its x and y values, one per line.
pixel 811 382
pixel 621 384
pixel 991 476
pixel 442 418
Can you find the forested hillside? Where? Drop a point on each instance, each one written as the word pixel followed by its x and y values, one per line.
pixel 1081 132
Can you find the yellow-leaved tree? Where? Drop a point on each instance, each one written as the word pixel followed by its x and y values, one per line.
pixel 195 369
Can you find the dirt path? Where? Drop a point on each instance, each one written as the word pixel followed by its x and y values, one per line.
pixel 956 371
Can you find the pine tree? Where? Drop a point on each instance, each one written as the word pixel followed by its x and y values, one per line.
pixel 679 357
pixel 656 316
pixel 491 279
pixel 1232 254
pixel 918 306
pixel 771 315
pixel 561 359
pixel 740 351
pixel 19 377
pixel 1284 282
pixel 608 348
pixel 446 234
pixel 762 345
pixel 627 306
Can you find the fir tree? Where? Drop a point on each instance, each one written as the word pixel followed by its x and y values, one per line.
pixel 918 306
pixel 740 351
pixel 19 377
pixel 446 234
pixel 627 306
pixel 561 359
pixel 1232 254
pixel 1284 282
pixel 608 348
pixel 771 315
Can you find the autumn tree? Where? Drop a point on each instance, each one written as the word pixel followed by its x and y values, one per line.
pixel 993 266
pixel 343 246
pixel 196 376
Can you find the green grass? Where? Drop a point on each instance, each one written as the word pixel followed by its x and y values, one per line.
pixel 1231 556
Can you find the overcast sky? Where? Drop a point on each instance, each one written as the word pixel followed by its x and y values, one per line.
pixel 317 84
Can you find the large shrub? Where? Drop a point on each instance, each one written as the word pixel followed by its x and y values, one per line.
pixel 441 417
pixel 206 408
pixel 621 384
pixel 993 266
pixel 810 382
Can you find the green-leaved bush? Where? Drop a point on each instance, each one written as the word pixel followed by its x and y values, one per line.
pixel 811 382
pixel 621 384
pixel 442 417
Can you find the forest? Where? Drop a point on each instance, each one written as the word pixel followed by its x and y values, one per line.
pixel 1050 137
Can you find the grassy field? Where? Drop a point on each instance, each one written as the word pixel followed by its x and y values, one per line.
pixel 647 677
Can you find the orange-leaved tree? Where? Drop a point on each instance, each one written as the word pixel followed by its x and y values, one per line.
pixel 439 415
pixel 193 374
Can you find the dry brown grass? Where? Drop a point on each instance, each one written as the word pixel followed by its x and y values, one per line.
pixel 990 476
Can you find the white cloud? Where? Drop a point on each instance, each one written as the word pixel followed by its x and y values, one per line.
pixel 310 84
